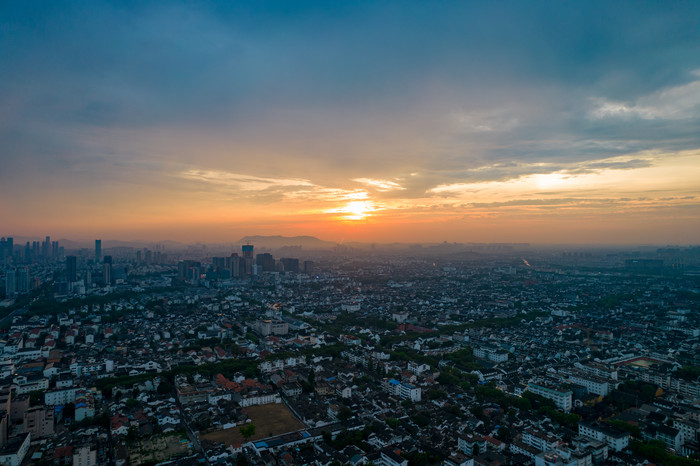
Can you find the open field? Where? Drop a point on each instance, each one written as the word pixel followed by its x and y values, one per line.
pixel 643 362
pixel 157 448
pixel 269 420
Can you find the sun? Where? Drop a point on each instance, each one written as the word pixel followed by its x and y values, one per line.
pixel 546 181
pixel 356 210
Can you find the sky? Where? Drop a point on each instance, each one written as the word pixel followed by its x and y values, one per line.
pixel 383 121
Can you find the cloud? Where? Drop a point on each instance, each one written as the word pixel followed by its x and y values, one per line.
pixel 265 190
pixel 394 102
pixel 380 185
pixel 243 182
pixel 674 103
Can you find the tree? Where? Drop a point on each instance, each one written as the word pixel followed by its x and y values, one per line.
pixel 133 433
pixel 36 397
pixel 503 433
pixel 436 394
pixel 164 388
pixel 69 411
pixel 345 413
pixel 248 431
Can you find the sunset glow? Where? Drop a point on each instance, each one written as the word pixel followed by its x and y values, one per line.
pixel 368 122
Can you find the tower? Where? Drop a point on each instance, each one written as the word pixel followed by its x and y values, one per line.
pixel 98 249
pixel 247 250
pixel 46 248
pixel 107 270
pixel 266 262
pixel 10 283
pixel 22 280
pixel 71 269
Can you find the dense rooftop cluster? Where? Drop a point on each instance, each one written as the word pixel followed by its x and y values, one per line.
pixel 507 358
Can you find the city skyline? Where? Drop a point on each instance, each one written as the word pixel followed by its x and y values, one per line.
pixel 538 122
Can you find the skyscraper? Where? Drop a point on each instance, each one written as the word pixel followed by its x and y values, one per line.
pixel 10 283
pixel 71 269
pixel 266 261
pixel 107 270
pixel 98 249
pixel 46 248
pixel 22 280
pixel 290 264
pixel 6 247
pixel 247 250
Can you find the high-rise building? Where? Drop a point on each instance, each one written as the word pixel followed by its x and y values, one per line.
pixel 71 269
pixel 6 249
pixel 218 264
pixel 290 264
pixel 10 283
pixel 248 259
pixel 308 267
pixel 236 265
pixel 265 261
pixel 46 248
pixel 98 249
pixel 54 249
pixel 22 280
pixel 107 273
pixel 189 270
pixel 107 270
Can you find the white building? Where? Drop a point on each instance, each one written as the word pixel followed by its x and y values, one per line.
pixel 15 450
pixel 491 353
pixel 561 398
pixel 540 440
pixel 60 397
pixel 401 389
pixel 85 455
pixel 593 384
pixel 616 439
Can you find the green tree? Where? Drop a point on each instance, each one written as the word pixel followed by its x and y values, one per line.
pixel 392 422
pixel 248 431
pixel 164 388
pixel 345 413
pixel 133 433
pixel 503 433
pixel 36 397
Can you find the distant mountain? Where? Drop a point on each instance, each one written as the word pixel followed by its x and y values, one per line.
pixel 278 242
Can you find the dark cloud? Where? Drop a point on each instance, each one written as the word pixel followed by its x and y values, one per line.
pixel 456 91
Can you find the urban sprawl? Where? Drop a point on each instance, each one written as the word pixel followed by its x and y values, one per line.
pixel 455 354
